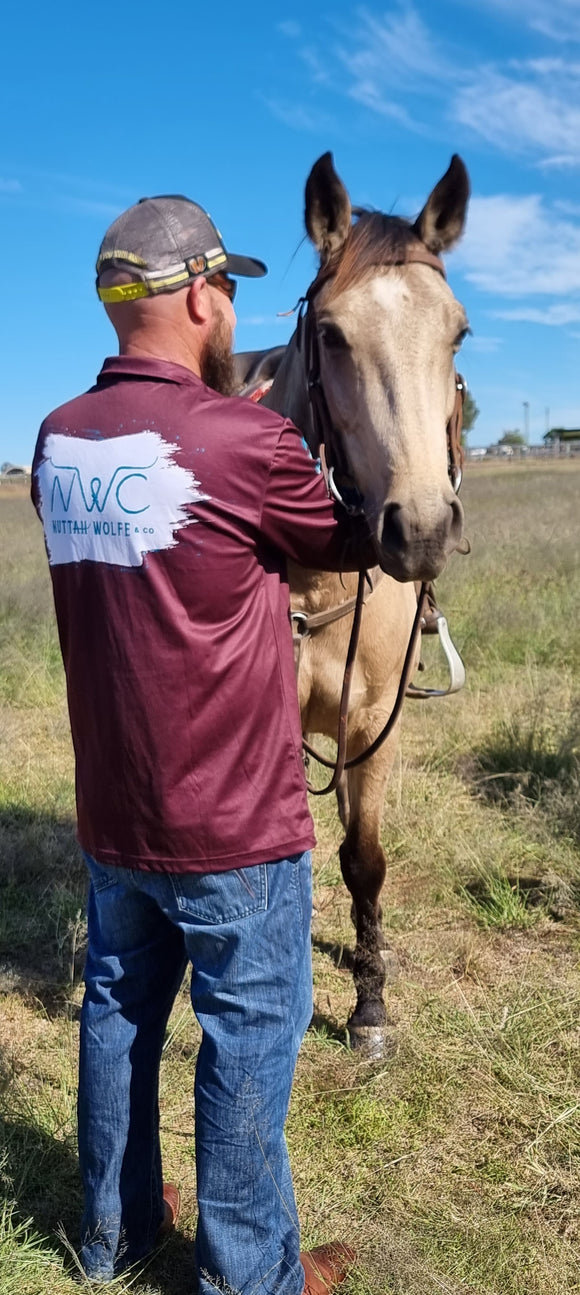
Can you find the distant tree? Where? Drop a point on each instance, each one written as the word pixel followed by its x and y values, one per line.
pixel 470 413
pixel 513 438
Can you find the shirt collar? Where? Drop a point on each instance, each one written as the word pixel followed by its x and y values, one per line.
pixel 144 366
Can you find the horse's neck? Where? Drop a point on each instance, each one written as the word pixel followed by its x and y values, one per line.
pixel 288 396
pixel 315 591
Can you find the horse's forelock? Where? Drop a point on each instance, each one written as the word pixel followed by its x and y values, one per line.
pixel 375 239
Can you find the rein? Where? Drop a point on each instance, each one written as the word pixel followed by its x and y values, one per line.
pixel 326 444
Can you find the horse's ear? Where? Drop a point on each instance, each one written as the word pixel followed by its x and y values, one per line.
pixel 443 217
pixel 327 209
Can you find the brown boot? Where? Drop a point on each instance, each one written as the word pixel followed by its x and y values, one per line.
pixel 326 1267
pixel 171 1208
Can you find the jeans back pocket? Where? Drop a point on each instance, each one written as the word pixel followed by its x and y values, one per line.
pixel 103 875
pixel 216 897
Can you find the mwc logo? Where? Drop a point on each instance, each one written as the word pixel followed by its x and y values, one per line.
pixel 98 494
pixel 113 500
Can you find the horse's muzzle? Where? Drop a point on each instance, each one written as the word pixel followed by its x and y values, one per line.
pixel 415 543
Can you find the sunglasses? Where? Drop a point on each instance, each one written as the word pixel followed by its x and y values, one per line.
pixel 224 284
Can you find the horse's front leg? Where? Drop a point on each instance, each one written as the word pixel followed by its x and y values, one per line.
pixel 363 865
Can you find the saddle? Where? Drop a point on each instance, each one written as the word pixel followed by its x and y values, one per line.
pixel 255 370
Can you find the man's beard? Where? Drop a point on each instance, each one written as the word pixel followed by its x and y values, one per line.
pixel 217 361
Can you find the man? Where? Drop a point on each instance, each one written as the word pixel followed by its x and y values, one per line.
pixel 169 511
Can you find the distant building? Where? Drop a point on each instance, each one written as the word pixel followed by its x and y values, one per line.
pixel 566 440
pixel 15 472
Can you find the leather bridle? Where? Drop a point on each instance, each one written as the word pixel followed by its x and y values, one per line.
pixel 325 443
pixel 322 437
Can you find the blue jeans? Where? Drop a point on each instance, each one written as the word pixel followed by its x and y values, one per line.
pixel 247 936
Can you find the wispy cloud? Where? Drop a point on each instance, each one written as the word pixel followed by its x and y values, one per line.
pixel 298 117
pixel 554 316
pixel 370 96
pixel 389 54
pixel 484 345
pixel 522 249
pixel 54 191
pixel 519 247
pixel 371 62
pixel 289 28
pixel 559 162
pixel 567 208
pixel 396 67
pixel 527 110
pixel 394 50
pixel 557 19
pixel 67 204
pixel 316 66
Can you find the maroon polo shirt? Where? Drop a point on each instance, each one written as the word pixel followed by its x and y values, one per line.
pixel 169 512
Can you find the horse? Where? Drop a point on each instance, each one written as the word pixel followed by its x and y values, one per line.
pixel 384 327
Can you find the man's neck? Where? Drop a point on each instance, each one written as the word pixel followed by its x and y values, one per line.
pixel 161 347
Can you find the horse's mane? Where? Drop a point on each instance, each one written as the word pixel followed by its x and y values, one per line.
pixel 375 239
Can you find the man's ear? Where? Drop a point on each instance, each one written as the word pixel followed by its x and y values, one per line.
pixel 199 303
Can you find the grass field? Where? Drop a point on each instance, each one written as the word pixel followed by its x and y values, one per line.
pixel 455 1166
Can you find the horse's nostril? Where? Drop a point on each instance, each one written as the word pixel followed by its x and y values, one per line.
pixel 397 530
pixel 457 519
pixel 403 527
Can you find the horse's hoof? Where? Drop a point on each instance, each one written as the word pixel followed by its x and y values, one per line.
pixel 373 1042
pixel 391 964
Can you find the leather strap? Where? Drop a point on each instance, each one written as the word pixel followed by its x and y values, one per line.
pixel 418 252
pixel 339 765
pixel 322 437
pixel 342 763
pixel 303 623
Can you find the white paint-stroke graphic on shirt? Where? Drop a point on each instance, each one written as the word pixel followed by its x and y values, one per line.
pixel 113 500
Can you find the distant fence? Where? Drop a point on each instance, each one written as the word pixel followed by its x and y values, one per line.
pixel 521 456
pixel 14 479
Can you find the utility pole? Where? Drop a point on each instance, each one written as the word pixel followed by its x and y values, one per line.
pixel 526 405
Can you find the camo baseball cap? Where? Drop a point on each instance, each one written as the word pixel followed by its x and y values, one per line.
pixel 165 243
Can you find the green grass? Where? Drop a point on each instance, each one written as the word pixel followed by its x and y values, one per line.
pixel 531 762
pixel 499 902
pixel 513 600
pixel 30 666
pixel 455 1165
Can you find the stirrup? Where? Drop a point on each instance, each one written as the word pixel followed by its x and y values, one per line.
pixel 434 622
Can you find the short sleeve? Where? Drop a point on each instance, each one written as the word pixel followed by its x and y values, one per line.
pixel 299 517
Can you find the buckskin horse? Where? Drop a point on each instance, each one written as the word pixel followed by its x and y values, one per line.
pixel 370 373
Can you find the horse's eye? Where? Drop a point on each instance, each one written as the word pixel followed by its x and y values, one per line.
pixel 331 336
pixel 459 340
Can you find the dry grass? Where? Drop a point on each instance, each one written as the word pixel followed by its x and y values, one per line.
pixel 456 1165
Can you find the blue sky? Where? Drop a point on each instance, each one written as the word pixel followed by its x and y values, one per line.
pixel 102 104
